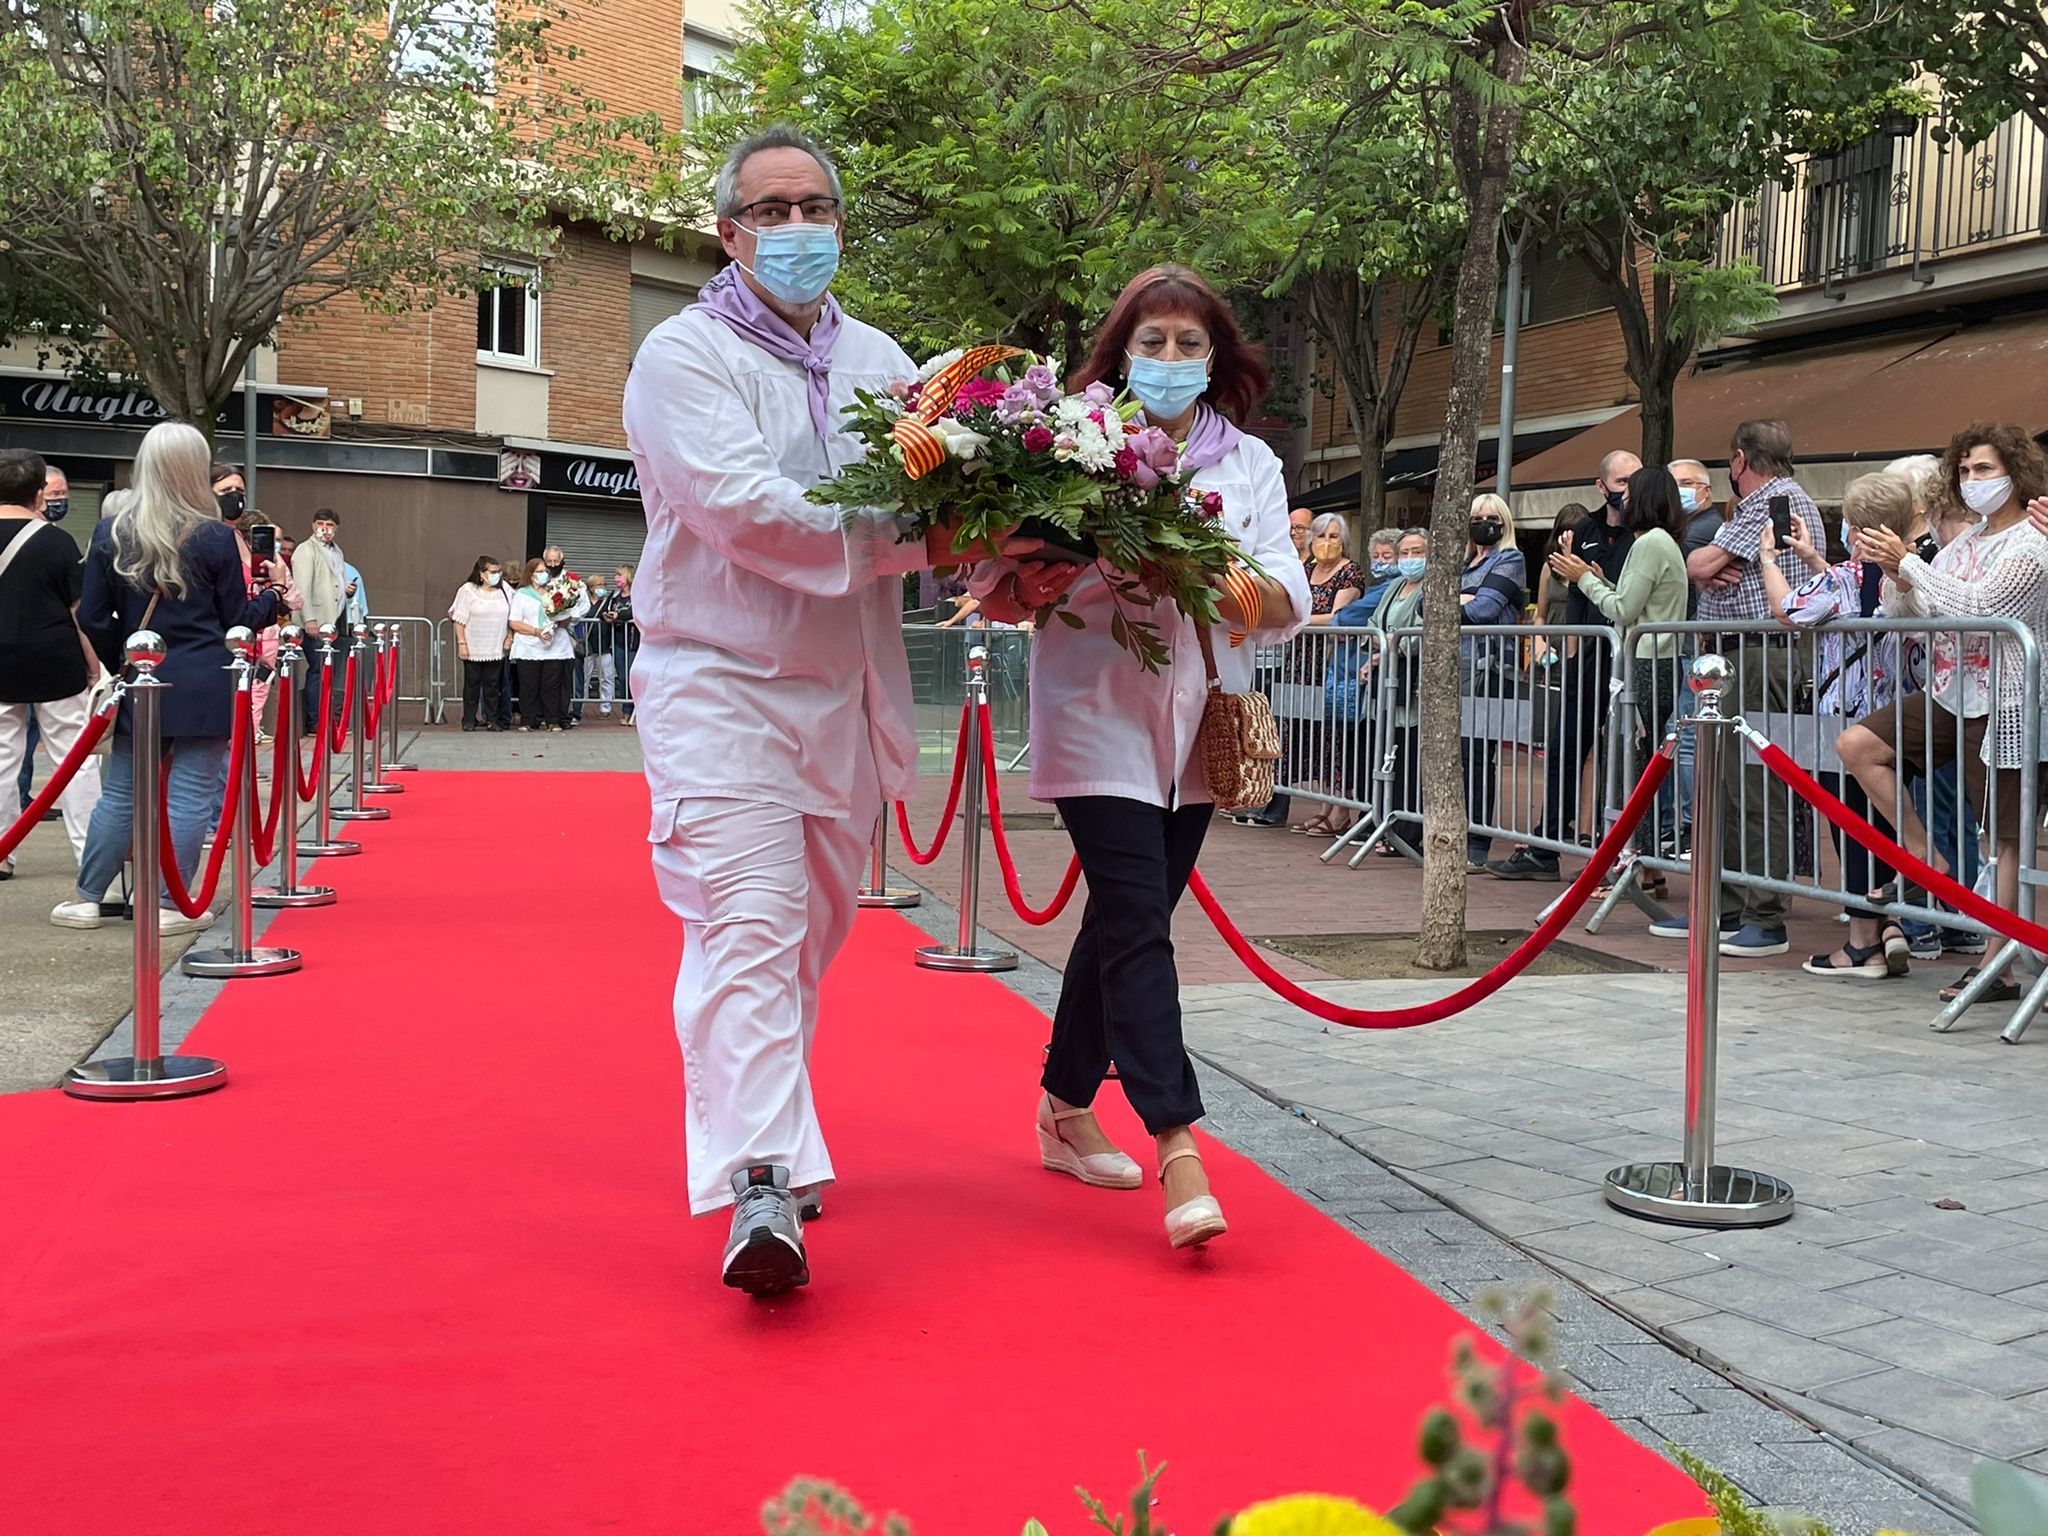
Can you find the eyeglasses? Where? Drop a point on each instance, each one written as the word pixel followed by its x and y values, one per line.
pixel 770 212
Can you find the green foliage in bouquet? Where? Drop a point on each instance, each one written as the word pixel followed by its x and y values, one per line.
pixel 1010 454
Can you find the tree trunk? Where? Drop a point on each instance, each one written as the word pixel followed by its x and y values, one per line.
pixel 1372 477
pixel 1483 146
pixel 1660 421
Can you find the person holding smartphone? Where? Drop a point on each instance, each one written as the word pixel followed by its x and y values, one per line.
pixel 1756 821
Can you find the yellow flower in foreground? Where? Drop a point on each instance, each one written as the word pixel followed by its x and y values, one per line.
pixel 1311 1514
pixel 1703 1525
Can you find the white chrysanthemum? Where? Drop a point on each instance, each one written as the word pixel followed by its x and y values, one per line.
pixel 943 361
pixel 1072 412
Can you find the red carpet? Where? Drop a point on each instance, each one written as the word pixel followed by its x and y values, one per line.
pixel 423 1267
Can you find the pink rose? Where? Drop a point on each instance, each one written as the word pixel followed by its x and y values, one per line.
pixel 899 389
pixel 1125 462
pixel 1098 393
pixel 1037 439
pixel 1156 450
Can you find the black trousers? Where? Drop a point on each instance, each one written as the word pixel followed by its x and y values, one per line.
pixel 544 693
pixel 1575 730
pixel 1120 1000
pixel 507 687
pixel 481 683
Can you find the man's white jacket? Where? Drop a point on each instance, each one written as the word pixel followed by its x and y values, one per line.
pixel 772 651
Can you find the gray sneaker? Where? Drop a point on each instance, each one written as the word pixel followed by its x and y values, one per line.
pixel 764 1256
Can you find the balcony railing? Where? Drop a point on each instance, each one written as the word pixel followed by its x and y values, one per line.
pixel 1894 200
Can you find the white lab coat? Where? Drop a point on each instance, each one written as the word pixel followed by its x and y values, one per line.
pixel 773 701
pixel 772 646
pixel 1100 723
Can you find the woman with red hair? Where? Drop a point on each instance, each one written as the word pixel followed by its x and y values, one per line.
pixel 1114 746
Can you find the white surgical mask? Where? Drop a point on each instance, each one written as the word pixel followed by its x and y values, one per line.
pixel 492 578
pixel 1984 497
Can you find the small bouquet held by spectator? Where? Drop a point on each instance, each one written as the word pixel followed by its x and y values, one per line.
pixel 560 595
pixel 985 444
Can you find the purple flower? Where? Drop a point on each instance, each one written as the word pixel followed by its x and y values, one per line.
pixel 1038 379
pixel 1212 503
pixel 1037 439
pixel 1155 449
pixel 1098 393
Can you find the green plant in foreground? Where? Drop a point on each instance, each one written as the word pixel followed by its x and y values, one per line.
pixel 813 1507
pixel 1470 1479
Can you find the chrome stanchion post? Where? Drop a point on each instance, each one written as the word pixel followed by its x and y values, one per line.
pixel 963 955
pixel 291 674
pixel 242 957
pixel 148 1073
pixel 1698 1192
pixel 878 892
pixel 358 718
pixel 391 764
pixel 373 745
pixel 326 845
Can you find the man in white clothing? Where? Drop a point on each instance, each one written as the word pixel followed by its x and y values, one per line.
pixel 773 694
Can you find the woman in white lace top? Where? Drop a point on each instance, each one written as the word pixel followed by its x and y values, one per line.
pixel 1999 568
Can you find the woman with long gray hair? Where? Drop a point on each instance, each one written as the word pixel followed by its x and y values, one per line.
pixel 164 561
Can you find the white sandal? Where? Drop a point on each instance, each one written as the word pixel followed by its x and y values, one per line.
pixel 1101 1170
pixel 1193 1223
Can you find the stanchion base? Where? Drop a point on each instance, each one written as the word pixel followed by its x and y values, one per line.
pixel 398 767
pixel 333 850
pixel 946 957
pixel 298 896
pixel 166 1077
pixel 1730 1197
pixel 366 813
pixel 383 789
pixel 244 962
pixel 890 896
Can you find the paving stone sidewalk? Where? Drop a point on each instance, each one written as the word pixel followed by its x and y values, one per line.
pixel 1904 1308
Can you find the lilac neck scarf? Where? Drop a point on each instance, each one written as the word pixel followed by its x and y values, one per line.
pixel 731 300
pixel 1211 440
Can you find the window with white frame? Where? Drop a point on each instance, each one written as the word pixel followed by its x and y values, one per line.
pixel 508 320
pixel 454 41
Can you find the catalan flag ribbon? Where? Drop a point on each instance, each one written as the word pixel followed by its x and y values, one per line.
pixel 922 450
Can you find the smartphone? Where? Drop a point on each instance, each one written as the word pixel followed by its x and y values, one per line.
pixel 1781 520
pixel 263 541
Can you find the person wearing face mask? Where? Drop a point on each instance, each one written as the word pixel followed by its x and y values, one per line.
pixel 1997 567
pixel 230 494
pixel 1577 724
pixel 1492 589
pixel 481 613
pixel 320 572
pixel 1401 655
pixel 1756 823
pixel 56 505
pixel 1116 748
pixel 1334 582
pixel 771 688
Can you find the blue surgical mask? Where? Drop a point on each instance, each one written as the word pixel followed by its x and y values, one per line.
pixel 1166 389
pixel 1383 568
pixel 1411 566
pixel 1688 498
pixel 795 262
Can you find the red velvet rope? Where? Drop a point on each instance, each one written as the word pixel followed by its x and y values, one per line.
pixel 60 781
pixel 1012 887
pixel 280 774
pixel 310 782
pixel 167 854
pixel 348 692
pixel 911 851
pixel 1483 987
pixel 1964 900
pixel 373 708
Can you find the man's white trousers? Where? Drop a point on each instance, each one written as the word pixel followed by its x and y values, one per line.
pixel 767 897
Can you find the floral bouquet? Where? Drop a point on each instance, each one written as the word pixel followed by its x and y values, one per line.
pixel 985 443
pixel 559 596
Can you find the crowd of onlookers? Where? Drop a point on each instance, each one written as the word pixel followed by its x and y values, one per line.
pixel 180 552
pixel 1933 735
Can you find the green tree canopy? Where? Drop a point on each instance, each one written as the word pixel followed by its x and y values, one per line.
pixel 192 173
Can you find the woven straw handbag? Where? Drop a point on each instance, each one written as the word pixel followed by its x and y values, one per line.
pixel 1240 741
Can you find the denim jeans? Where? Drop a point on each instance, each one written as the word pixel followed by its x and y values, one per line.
pixel 199 766
pixel 25 780
pixel 1951 828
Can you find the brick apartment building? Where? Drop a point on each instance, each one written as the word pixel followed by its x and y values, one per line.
pixel 485 425
pixel 1912 279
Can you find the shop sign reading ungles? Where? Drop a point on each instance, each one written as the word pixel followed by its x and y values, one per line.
pixel 528 469
pixel 119 404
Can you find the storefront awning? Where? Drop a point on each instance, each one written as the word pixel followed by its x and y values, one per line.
pixel 1857 401
pixel 1417 466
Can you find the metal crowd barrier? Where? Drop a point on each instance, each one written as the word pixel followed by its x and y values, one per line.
pixel 938 687
pixel 1556 720
pixel 421 674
